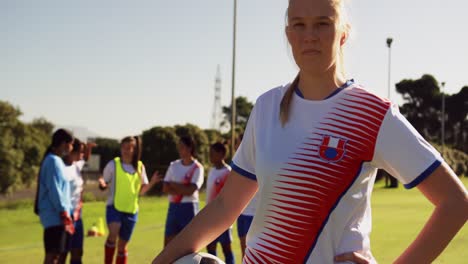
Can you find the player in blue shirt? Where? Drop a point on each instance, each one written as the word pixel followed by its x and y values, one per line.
pixel 53 200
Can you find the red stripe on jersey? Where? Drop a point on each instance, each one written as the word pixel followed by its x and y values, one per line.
pixel 306 149
pixel 361 121
pixel 366 96
pixel 376 115
pixel 374 107
pixel 358 114
pixel 287 247
pixel 359 126
pixel 314 167
pixel 290 229
pixel 260 258
pixel 308 189
pixel 357 132
pixel 270 253
pixel 317 188
pixel 251 258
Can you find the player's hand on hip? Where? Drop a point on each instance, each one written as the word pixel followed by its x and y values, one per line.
pixel 352 257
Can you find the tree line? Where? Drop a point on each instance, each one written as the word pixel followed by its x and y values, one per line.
pixel 423 109
pixel 22 144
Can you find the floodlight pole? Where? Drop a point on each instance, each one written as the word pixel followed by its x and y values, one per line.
pixel 233 98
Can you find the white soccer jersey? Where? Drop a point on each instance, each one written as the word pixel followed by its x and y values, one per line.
pixel 251 207
pixel 215 182
pixel 73 174
pixel 315 174
pixel 177 172
pixel 109 176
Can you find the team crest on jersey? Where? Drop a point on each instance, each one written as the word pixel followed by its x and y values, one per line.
pixel 332 149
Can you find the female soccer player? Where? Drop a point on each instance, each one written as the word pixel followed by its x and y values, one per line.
pixel 312 149
pixel 53 203
pixel 183 179
pixel 74 163
pixel 126 176
pixel 217 176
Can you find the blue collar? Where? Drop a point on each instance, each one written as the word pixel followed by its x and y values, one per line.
pixel 339 89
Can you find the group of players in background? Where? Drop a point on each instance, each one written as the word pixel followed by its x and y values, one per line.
pixel 60 186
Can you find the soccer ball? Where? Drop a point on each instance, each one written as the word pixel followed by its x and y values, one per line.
pixel 199 258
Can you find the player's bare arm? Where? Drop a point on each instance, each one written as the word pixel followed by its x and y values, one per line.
pixel 450 198
pixel 183 189
pixel 221 213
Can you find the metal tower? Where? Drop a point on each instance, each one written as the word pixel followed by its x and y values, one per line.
pixel 216 117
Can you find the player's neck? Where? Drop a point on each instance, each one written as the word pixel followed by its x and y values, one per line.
pixel 187 161
pixel 56 152
pixel 68 161
pixel 126 160
pixel 219 165
pixel 318 87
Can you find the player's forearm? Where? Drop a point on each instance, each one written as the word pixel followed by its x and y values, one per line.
pixel 88 149
pixel 145 188
pixel 87 152
pixel 198 233
pixel 446 220
pixel 183 189
pixel 167 188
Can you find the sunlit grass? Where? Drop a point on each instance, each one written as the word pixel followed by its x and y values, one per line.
pixel 398 216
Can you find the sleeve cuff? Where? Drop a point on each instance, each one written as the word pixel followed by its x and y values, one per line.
pixel 423 175
pixel 243 172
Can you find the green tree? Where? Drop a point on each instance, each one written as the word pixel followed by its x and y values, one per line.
pixel 21 148
pixel 159 148
pixel 422 104
pixel 243 109
pixel 33 142
pixel 200 138
pixel 107 149
pixel 8 115
pixel 422 108
pixel 214 135
pixel 456 108
pixel 43 125
pixel 10 156
pixel 10 160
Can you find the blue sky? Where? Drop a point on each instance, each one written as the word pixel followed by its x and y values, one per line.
pixel 120 67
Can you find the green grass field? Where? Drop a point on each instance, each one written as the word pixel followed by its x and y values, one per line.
pixel 398 215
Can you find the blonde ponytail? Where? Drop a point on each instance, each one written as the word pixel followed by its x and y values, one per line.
pixel 285 104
